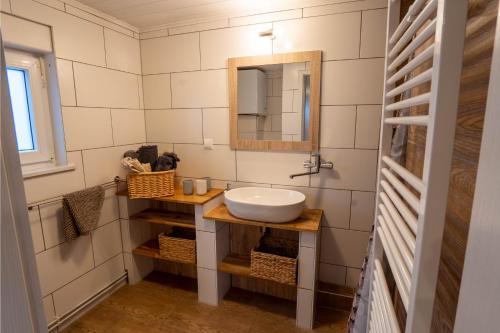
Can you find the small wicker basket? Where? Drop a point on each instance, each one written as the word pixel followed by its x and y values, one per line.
pixel 275 259
pixel 179 244
pixel 150 184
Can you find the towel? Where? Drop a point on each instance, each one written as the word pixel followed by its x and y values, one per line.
pixel 148 154
pixel 167 161
pixel 81 211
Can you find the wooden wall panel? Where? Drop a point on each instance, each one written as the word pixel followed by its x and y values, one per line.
pixel 473 93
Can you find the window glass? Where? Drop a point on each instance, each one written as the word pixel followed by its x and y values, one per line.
pixel 23 116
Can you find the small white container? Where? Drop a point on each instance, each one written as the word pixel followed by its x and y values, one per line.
pixel 201 186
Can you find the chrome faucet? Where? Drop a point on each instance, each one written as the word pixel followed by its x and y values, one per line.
pixel 317 165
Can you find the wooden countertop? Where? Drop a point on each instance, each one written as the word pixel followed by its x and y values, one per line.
pixel 310 220
pixel 180 197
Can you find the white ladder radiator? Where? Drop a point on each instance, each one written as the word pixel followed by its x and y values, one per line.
pixel 410 211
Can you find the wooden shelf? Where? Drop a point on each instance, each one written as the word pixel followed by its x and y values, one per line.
pixel 163 217
pixel 151 249
pixel 180 197
pixel 235 264
pixel 240 265
pixel 310 220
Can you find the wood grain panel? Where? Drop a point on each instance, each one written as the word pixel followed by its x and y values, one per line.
pixel 473 93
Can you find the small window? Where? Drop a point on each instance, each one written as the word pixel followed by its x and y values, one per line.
pixel 30 107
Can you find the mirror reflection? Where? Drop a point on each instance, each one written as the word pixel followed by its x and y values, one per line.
pixel 274 102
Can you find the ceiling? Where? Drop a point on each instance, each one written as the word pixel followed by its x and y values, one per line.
pixel 148 13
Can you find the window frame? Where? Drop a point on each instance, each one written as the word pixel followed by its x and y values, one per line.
pixel 34 67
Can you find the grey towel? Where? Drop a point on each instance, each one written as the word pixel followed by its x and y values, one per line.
pixel 81 211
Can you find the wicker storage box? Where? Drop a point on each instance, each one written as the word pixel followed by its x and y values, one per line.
pixel 179 244
pixel 275 259
pixel 150 184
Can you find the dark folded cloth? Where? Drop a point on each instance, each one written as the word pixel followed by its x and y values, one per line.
pixel 168 161
pixel 148 154
pixel 81 211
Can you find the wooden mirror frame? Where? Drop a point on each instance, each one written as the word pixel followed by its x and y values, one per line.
pixel 312 144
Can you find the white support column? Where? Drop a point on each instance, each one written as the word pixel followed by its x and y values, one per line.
pixel 133 235
pixel 212 245
pixel 307 278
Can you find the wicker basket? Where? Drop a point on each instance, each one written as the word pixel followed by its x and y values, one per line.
pixel 150 184
pixel 275 259
pixel 179 244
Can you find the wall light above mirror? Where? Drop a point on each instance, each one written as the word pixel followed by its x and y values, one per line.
pixel 274 101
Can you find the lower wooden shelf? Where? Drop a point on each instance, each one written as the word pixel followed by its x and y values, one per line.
pixel 151 249
pixel 164 217
pixel 235 264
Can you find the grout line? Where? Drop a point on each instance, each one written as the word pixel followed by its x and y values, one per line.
pixel 112 129
pixel 99 66
pixel 74 80
pixel 83 168
pixel 360 33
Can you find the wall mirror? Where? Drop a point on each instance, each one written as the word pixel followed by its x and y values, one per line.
pixel 274 101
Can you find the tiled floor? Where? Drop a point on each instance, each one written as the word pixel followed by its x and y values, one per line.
pixel 163 303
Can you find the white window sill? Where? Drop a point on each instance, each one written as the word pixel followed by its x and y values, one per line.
pixel 47 170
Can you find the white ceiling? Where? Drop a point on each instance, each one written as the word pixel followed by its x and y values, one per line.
pixel 148 13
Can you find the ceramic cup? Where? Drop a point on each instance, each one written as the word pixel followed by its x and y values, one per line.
pixel 209 183
pixel 187 186
pixel 201 186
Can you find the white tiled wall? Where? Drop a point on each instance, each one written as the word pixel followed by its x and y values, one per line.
pixel 185 77
pixel 100 84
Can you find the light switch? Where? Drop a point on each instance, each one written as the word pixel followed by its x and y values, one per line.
pixel 209 144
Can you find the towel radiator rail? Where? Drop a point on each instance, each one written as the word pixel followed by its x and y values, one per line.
pixel 410 211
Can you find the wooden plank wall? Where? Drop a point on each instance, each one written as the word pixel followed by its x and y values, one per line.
pixel 473 93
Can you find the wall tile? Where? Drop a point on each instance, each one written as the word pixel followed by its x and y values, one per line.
pixel 200 89
pixel 352 277
pixel 16 31
pixel 103 164
pixel 362 210
pixel 66 82
pixel 74 38
pixel 109 211
pixel 339 37
pixel 343 247
pixel 338 126
pixel 59 265
pixel 268 17
pixel 352 82
pixel 373 31
pixel 197 162
pixel 98 17
pixel 271 167
pixel 103 87
pixel 48 308
pixel 36 229
pixel 217 24
pixel 86 128
pixel 176 126
pixel 353 169
pixel 68 297
pixel 216 125
pixel 129 126
pixel 154 34
pixel 346 6
pixel 218 45
pixel 39 188
pixel 106 242
pixel 157 93
pixel 332 274
pixel 170 54
pixel 122 52
pixel 52 224
pixel 336 206
pixel 368 126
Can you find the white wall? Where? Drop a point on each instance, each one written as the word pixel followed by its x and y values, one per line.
pixel 186 91
pixel 99 71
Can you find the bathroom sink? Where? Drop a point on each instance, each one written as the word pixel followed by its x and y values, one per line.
pixel 265 204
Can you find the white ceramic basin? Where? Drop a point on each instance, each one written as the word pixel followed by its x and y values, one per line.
pixel 265 204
